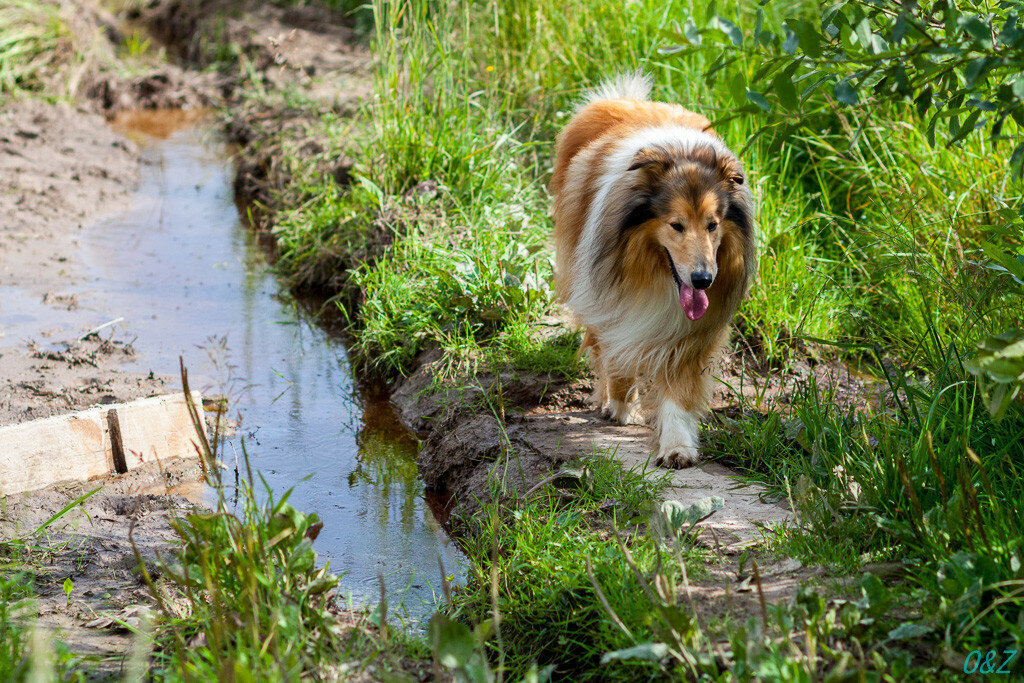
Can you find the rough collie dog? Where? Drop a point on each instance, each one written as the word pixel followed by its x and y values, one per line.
pixel 654 233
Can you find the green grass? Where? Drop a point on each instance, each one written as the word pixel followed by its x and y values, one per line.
pixel 257 605
pixel 35 43
pixel 474 120
pixel 537 553
pixel 875 248
pixel 15 595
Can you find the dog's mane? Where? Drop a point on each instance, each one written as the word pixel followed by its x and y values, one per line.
pixel 602 290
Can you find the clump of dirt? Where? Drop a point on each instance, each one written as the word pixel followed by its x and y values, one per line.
pixel 167 87
pixel 91 547
pixel 309 47
pixel 41 382
pixel 91 62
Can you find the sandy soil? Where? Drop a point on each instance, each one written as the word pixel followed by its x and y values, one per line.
pixel 92 545
pixel 62 167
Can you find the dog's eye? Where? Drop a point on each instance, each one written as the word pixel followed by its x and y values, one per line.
pixel 712 226
pixel 678 227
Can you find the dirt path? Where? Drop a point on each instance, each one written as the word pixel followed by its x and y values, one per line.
pixel 547 423
pixel 463 444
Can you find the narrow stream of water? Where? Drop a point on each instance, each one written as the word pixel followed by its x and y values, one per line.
pixel 188 279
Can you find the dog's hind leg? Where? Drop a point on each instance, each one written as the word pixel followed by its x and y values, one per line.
pixel 599 397
pixel 621 405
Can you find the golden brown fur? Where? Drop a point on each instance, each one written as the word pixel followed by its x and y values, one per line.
pixel 650 205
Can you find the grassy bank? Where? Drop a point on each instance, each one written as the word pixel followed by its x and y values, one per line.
pixel 875 245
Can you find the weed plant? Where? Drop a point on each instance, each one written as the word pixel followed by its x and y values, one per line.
pixel 244 597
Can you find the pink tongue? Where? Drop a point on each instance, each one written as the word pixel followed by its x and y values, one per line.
pixel 693 301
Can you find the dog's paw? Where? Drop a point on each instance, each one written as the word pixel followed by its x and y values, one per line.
pixel 677 439
pixel 622 412
pixel 677 457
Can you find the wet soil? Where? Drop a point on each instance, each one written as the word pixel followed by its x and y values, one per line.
pixel 92 547
pixel 62 168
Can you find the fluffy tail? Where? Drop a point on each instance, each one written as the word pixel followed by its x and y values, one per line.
pixel 625 86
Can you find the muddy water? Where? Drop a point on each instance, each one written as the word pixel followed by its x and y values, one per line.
pixel 182 274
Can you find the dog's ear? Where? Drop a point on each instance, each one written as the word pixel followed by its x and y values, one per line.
pixel 653 161
pixel 730 170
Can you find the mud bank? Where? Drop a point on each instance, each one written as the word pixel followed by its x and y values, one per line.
pixel 310 50
pixel 547 424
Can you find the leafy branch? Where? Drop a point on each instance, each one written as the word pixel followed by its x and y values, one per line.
pixel 961 66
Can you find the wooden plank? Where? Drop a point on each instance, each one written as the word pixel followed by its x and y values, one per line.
pixel 78 446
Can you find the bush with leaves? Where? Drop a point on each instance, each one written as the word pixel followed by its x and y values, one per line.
pixel 962 66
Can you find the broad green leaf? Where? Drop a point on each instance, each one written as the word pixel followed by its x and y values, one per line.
pixel 877 598
pixel 967 128
pixel 810 39
pixel 976 29
pixel 452 641
pixel 783 87
pixel 1011 32
pixel 691 32
pixel 731 30
pixel 758 99
pixel 1017 160
pixel 790 44
pixel 738 88
pixel 977 68
pixel 1018 87
pixel 846 93
pixel 710 11
pixel 899 29
pixel 678 515
pixel 1009 263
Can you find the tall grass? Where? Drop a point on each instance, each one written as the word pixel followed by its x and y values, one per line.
pixel 468 101
pixel 244 598
pixel 871 241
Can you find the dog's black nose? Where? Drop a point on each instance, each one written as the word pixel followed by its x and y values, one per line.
pixel 701 279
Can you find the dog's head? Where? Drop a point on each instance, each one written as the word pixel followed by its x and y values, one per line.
pixel 686 205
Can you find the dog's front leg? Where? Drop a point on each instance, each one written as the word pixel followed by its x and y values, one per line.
pixel 681 406
pixel 678 442
pixel 621 405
